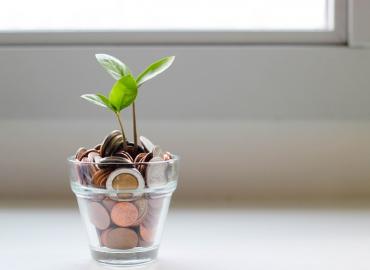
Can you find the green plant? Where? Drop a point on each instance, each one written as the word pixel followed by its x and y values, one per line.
pixel 125 89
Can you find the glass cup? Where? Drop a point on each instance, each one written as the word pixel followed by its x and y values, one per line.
pixel 124 207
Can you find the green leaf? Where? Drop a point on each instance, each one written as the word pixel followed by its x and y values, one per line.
pixel 123 92
pixel 113 66
pixel 155 69
pixel 94 99
pixel 106 102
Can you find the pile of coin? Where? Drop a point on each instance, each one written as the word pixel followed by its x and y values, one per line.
pixel 109 166
pixel 123 220
pixel 125 224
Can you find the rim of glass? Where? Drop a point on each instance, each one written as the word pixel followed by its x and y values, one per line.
pixel 73 160
pixel 82 190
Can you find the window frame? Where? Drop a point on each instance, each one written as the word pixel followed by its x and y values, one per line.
pixel 336 36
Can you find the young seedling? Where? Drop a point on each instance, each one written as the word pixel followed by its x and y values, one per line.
pixel 122 95
pixel 118 70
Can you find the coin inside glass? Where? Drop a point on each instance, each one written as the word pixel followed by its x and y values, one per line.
pixel 125 181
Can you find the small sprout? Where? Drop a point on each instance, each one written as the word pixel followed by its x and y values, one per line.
pixel 124 91
pixel 122 95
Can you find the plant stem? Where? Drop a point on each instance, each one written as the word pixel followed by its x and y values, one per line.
pixel 123 133
pixel 134 124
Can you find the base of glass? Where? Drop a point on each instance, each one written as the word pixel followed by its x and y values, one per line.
pixel 131 257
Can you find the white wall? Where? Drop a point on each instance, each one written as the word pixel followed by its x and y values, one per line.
pixel 249 121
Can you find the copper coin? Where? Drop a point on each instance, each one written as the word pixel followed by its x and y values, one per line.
pixel 96 177
pixel 115 145
pixel 108 203
pixel 98 215
pixel 100 177
pixel 121 238
pixel 88 164
pixel 97 147
pixel 86 153
pixel 139 157
pixel 92 170
pixel 123 154
pixel 114 162
pixel 148 157
pixel 147 234
pixel 102 181
pixel 142 207
pixel 124 214
pixel 167 156
pixel 80 173
pixel 85 172
pixel 104 236
pixel 134 151
pixel 142 167
pixel 109 137
pixel 143 243
pixel 80 153
pixel 107 141
pixel 91 155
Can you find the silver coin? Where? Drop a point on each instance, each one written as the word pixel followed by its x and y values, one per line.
pixel 158 152
pixel 125 178
pixel 148 145
pixel 156 172
pixel 97 159
pixel 172 170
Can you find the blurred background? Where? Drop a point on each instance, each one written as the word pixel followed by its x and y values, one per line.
pixel 267 103
pixel 266 99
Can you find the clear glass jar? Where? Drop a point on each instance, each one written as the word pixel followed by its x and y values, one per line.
pixel 124 224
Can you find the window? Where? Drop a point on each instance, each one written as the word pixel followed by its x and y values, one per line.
pixel 188 21
pixel 166 15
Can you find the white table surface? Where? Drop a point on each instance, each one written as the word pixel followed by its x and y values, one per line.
pixel 52 237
